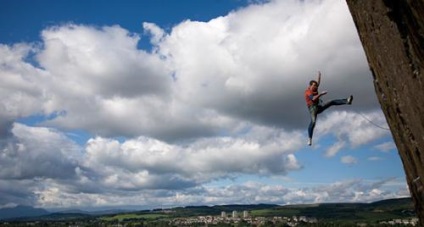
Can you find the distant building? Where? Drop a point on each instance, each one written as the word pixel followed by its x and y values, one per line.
pixel 235 214
pixel 223 214
pixel 245 214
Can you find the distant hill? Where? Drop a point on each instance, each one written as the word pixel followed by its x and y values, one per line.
pixel 21 211
pixel 393 202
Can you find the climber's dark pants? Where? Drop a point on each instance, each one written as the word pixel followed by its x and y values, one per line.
pixel 314 110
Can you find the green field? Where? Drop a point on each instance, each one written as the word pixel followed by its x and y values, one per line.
pixel 274 212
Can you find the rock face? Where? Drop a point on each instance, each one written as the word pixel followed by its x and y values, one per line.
pixel 392 34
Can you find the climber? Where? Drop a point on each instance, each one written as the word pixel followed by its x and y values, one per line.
pixel 315 106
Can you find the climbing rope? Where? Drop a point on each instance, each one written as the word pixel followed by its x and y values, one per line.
pixel 373 122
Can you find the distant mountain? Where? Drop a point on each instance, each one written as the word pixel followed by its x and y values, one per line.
pixel 97 212
pixel 104 211
pixel 21 211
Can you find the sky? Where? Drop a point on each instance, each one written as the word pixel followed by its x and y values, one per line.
pixel 162 103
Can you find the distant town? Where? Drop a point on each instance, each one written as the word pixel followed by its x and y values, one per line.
pixel 237 217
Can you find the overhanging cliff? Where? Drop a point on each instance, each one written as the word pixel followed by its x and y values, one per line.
pixel 392 34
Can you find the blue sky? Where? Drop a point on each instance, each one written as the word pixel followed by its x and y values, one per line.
pixel 175 103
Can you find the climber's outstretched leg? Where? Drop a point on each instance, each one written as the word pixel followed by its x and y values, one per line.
pixel 314 110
